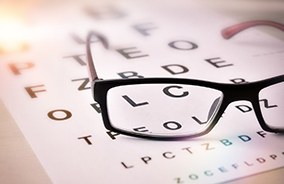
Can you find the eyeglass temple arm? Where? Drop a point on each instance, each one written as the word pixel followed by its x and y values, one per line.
pixel 229 32
pixel 90 61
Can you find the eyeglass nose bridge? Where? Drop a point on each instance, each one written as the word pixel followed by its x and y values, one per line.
pixel 240 92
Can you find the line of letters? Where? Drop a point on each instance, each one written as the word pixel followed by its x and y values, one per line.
pixel 192 150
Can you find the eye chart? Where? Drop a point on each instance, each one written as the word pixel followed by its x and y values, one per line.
pixel 47 91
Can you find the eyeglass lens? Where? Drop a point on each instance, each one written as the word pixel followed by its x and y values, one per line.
pixel 162 109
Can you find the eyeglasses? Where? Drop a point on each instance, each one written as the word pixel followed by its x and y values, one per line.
pixel 170 108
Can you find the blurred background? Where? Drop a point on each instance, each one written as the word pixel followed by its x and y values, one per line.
pixel 22 20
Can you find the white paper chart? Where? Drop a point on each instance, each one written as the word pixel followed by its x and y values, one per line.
pixel 47 91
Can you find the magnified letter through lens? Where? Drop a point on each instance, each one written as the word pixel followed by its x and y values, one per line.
pixel 162 109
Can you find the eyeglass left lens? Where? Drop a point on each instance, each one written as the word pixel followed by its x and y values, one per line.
pixel 169 110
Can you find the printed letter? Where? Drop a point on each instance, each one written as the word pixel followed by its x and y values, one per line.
pixel 260 160
pixel 198 121
pixel 193 177
pixel 208 173
pixel 78 58
pixel 112 135
pixel 175 69
pixel 96 106
pixel 32 92
pixel 223 169
pixel 169 155
pixel 140 129
pixel 178 180
pixel 84 84
pixel 183 45
pixel 244 108
pixel 172 125
pixel 146 159
pixel 59 114
pixel 226 142
pixel 266 105
pixel 262 134
pixel 166 90
pixel 217 62
pixel 273 157
pixel 235 166
pixel 144 28
pixel 238 81
pixel 131 53
pixel 129 74
pixel 126 166
pixel 86 138
pixel 17 67
pixel 248 164
pixel 244 138
pixel 207 147
pixel 187 149
pixel 132 103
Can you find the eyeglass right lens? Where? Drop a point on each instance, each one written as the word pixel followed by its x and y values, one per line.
pixel 169 110
pixel 272 105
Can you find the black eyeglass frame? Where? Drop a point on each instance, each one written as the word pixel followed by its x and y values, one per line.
pixel 231 93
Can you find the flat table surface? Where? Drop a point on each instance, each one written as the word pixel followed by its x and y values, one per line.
pixel 18 163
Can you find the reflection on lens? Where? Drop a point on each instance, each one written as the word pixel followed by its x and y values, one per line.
pixel 272 105
pixel 162 109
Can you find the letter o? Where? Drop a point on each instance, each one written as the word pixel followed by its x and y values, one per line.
pixel 261 160
pixel 168 125
pixel 193 177
pixel 66 114
pixel 208 173
pixel 187 45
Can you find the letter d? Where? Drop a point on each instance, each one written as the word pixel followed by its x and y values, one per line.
pixel 175 69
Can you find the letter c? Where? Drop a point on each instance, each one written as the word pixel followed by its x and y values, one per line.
pixel 166 90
